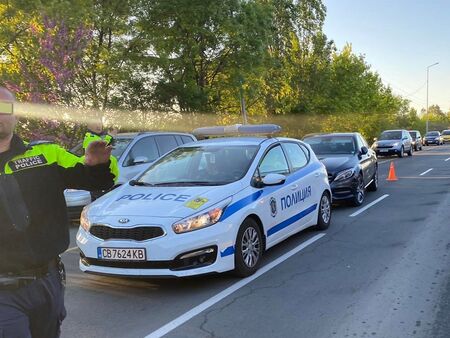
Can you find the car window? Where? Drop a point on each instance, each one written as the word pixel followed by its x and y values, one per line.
pixel 295 155
pixel 363 141
pixel 446 132
pixel 145 147
pixel 413 134
pixel 274 162
pixel 166 143
pixel 187 139
pixel 119 146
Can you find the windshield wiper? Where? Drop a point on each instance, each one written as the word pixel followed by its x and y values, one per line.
pixel 140 183
pixel 186 183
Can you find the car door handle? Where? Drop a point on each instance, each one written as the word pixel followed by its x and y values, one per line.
pixel 294 187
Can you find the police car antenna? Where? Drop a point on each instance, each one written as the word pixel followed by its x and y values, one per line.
pixel 267 130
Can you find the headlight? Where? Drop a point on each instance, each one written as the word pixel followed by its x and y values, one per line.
pixel 395 144
pixel 84 221
pixel 345 174
pixel 202 220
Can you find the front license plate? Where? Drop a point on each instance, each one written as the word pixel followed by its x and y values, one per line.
pixel 384 150
pixel 121 254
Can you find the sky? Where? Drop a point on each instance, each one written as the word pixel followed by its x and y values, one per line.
pixel 399 39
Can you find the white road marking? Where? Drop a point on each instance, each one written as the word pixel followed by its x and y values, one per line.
pixel 369 205
pixel 71 249
pixel 448 159
pixel 426 171
pixel 228 291
pixel 386 161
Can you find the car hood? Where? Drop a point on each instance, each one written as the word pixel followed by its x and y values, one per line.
pixel 163 202
pixel 338 163
pixel 387 142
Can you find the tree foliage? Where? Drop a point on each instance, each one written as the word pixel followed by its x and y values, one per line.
pixel 192 56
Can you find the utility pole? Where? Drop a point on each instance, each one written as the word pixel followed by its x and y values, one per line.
pixel 243 109
pixel 428 71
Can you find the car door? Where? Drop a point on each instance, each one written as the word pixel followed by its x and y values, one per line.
pixel 366 160
pixel 140 154
pixel 303 187
pixel 272 211
pixel 407 141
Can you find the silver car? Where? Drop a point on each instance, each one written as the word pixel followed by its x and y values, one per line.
pixel 394 142
pixel 134 153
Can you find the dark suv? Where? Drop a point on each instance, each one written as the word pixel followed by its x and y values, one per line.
pixel 417 140
pixel 351 164
pixel 433 137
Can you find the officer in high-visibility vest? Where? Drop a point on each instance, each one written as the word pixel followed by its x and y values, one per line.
pixel 95 132
pixel 34 224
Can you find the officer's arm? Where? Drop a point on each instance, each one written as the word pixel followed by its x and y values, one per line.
pixel 77 175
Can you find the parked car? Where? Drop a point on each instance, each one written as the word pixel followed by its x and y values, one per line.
pixel 416 139
pixel 351 165
pixel 394 142
pixel 210 206
pixel 134 152
pixel 446 135
pixel 433 137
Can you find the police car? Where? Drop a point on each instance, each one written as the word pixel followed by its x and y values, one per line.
pixel 209 206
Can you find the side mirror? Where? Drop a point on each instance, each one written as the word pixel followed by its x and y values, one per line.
pixel 140 160
pixel 274 179
pixel 364 150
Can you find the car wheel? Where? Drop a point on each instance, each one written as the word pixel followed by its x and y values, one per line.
pixel 374 185
pixel 410 152
pixel 324 216
pixel 402 152
pixel 360 192
pixel 249 249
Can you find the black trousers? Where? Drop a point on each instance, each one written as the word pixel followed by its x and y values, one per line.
pixel 35 310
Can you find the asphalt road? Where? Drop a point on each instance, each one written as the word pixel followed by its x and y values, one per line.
pixel 381 273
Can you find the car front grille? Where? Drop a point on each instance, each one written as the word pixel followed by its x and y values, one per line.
pixel 384 147
pixel 141 233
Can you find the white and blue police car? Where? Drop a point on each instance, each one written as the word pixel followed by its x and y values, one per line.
pixel 210 206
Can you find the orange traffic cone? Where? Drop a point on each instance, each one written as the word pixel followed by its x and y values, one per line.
pixel 392 176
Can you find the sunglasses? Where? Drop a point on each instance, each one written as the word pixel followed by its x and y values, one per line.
pixel 6 108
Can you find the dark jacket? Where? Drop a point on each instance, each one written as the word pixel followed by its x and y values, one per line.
pixel 33 215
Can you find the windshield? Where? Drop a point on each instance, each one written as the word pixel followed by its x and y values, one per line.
pixel 391 135
pixel 413 134
pixel 446 132
pixel 119 146
pixel 432 133
pixel 207 165
pixel 332 144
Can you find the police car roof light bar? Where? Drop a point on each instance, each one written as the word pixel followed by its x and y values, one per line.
pixel 238 129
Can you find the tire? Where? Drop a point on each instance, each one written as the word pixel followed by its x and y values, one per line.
pixel 360 194
pixel 402 152
pixel 410 152
pixel 249 239
pixel 374 185
pixel 324 214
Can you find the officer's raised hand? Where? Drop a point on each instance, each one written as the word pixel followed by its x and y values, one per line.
pixel 98 152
